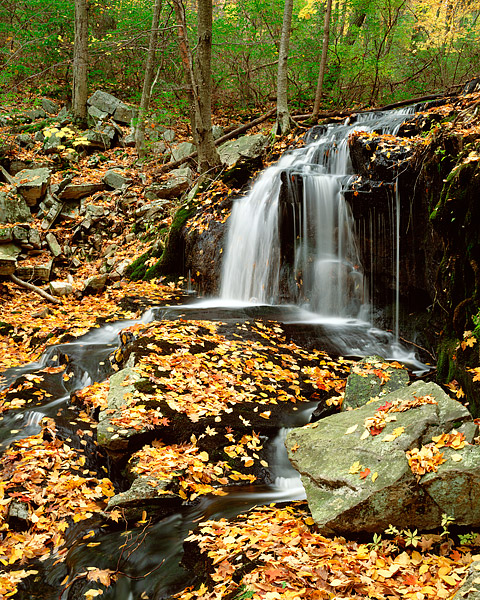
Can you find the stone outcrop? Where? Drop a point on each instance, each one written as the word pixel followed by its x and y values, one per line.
pixel 32 184
pixel 247 148
pixel 360 480
pixel 109 106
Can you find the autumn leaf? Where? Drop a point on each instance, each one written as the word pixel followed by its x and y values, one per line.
pixel 364 474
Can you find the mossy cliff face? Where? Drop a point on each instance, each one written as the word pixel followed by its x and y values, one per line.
pixel 449 184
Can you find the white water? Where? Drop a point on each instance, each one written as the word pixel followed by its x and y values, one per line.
pixel 327 276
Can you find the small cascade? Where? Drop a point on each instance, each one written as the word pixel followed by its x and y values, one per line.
pixel 292 239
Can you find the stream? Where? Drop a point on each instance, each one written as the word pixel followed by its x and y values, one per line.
pixel 321 299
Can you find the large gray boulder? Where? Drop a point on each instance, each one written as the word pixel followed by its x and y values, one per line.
pixel 109 105
pixel 372 377
pixel 32 184
pixel 13 209
pixel 247 147
pixel 359 482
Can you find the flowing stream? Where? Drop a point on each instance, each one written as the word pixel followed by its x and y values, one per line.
pixel 316 281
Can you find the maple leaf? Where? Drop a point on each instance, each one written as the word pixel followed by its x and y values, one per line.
pixel 364 474
pixel 103 576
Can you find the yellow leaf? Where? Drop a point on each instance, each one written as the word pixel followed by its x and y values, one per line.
pixel 355 468
pixel 374 476
pixel 351 429
pixel 448 579
pixel 93 593
pixel 456 457
pixel 309 521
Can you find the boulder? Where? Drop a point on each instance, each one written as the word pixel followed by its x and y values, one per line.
pixel 49 106
pixel 168 135
pixel 174 187
pixel 122 386
pixel 32 184
pixel 53 244
pixel 35 272
pixel 60 288
pixel 102 137
pixel 111 106
pixel 115 179
pixel 360 480
pixel 95 284
pixel 247 147
pixel 13 209
pixel 80 190
pixel 97 114
pixel 217 132
pixel 183 150
pixel 54 143
pixel 24 141
pixel 8 258
pixel 368 379
pixel 151 210
pixel 34 114
pixel 145 494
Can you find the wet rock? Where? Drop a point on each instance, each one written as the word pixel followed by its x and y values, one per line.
pixel 60 288
pixel 53 244
pixel 116 179
pixel 13 209
pixel 343 502
pixel 49 106
pixel 245 148
pixel 32 184
pixel 183 150
pixel 95 284
pixel 364 383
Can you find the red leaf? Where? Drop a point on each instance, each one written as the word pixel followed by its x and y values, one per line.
pixel 365 474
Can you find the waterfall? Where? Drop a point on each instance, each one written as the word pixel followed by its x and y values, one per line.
pixel 292 238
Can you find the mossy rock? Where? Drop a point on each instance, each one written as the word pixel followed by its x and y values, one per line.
pixel 139 268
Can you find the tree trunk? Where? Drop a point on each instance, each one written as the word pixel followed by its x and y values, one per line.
pixel 147 82
pixel 80 63
pixel 323 60
pixel 207 153
pixel 199 79
pixel 284 121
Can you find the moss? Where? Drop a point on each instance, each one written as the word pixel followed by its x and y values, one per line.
pixel 172 259
pixel 138 269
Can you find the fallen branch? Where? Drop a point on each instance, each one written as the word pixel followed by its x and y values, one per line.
pixel 225 138
pixel 347 113
pixel 34 288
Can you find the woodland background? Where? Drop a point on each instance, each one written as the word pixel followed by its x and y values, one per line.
pixel 379 51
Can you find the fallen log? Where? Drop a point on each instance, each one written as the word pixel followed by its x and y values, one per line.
pixel 34 288
pixel 225 138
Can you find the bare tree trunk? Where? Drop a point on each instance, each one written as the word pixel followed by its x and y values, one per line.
pixel 284 120
pixel 207 153
pixel 147 82
pixel 80 63
pixel 323 60
pixel 199 78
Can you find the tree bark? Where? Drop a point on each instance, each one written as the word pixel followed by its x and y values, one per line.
pixel 284 120
pixel 323 60
pixel 207 153
pixel 147 82
pixel 199 78
pixel 80 64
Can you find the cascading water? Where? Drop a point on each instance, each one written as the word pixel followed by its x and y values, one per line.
pixel 325 274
